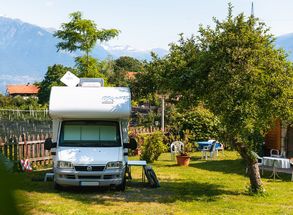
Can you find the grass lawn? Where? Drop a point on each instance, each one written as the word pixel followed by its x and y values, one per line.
pixel 205 187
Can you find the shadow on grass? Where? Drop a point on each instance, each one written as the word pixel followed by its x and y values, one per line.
pixel 225 166
pixel 193 158
pixel 136 191
pixel 282 177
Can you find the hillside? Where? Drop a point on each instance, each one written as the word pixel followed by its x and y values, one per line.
pixel 27 50
pixel 286 42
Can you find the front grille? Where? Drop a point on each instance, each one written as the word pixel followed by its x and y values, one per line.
pixel 85 168
pixel 89 177
pixel 70 176
pixel 108 176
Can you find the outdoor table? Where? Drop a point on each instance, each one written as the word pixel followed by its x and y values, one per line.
pixel 203 144
pixel 276 162
pixel 131 163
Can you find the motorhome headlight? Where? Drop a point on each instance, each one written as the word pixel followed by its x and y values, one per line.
pixel 114 165
pixel 64 165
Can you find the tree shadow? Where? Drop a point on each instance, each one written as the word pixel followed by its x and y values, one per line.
pixel 234 167
pixel 224 166
pixel 193 158
pixel 136 191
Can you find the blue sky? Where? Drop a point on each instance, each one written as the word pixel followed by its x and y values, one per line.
pixel 147 24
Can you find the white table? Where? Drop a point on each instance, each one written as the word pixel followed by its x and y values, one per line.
pixel 131 163
pixel 275 162
pixel 136 163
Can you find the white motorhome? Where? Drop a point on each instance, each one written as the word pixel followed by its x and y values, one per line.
pixel 90 135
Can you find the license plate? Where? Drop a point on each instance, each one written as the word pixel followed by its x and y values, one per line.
pixel 89 183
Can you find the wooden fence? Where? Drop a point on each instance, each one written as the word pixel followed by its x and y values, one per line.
pixel 26 146
pixel 143 130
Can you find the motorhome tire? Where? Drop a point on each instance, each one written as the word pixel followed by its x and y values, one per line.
pixel 122 186
pixel 57 186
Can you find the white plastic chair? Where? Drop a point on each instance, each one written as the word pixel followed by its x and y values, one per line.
pixel 176 148
pixel 275 153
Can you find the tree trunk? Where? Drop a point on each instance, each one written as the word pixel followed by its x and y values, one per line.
pixel 87 63
pixel 254 176
pixel 256 185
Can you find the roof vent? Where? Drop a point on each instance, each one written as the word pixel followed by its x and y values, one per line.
pixel 91 82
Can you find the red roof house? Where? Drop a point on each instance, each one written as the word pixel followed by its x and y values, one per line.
pixel 22 90
pixel 131 75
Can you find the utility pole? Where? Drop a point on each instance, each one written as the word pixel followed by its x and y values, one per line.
pixel 163 115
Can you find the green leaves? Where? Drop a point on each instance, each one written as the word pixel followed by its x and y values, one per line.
pixel 152 146
pixel 83 34
pixel 249 79
pixel 199 121
pixel 235 70
pixel 52 78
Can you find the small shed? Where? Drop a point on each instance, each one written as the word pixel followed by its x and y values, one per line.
pixel 280 137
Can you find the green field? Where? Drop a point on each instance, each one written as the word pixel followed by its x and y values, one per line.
pixel 205 187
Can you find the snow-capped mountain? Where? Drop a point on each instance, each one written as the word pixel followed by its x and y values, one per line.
pixel 117 51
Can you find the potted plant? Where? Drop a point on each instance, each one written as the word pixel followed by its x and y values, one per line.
pixel 183 158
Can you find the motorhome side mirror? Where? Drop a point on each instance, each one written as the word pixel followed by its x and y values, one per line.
pixel 131 145
pixel 48 145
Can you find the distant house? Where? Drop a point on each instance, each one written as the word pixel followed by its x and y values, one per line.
pixel 131 75
pixel 22 90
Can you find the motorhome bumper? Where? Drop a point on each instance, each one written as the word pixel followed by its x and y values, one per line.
pixel 80 178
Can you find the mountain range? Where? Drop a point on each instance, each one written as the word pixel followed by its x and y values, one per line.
pixel 27 50
pixel 286 42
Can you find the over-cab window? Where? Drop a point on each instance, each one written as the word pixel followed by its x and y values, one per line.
pixel 90 134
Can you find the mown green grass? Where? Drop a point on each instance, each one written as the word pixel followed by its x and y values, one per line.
pixel 205 187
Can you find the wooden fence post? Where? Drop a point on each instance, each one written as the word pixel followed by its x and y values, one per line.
pixel 1 146
pixel 15 149
pixel 5 150
pixel 10 151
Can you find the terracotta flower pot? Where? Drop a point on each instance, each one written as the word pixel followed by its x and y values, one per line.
pixel 183 160
pixel 137 152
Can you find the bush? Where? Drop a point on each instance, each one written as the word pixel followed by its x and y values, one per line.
pixel 152 146
pixel 201 123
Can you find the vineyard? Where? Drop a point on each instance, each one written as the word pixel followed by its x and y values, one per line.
pixel 18 122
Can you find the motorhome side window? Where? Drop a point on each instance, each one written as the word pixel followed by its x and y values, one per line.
pixel 90 134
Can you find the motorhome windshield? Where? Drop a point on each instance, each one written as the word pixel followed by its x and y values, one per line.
pixel 90 134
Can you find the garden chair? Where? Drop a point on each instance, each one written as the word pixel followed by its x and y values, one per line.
pixel 275 153
pixel 209 150
pixel 221 147
pixel 176 148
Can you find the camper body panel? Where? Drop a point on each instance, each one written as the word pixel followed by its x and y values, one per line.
pixel 83 156
pixel 90 103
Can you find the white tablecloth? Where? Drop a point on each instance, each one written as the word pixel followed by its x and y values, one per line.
pixel 276 162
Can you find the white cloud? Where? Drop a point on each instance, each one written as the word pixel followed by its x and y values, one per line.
pixel 49 3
